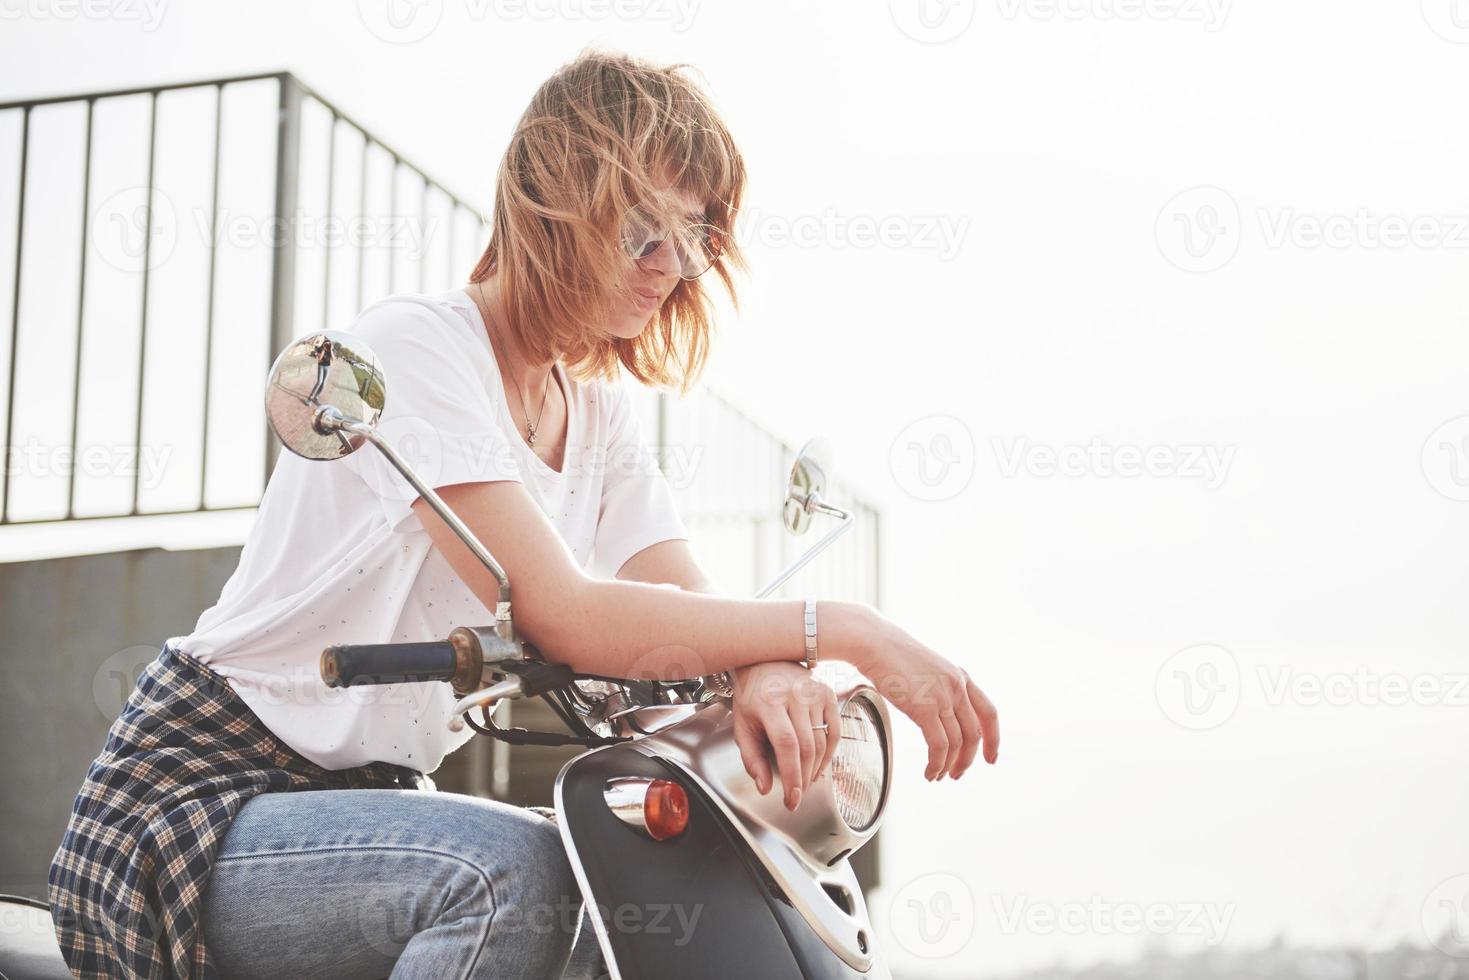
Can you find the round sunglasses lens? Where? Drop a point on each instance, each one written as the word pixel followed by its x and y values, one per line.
pixel 698 247
pixel 641 236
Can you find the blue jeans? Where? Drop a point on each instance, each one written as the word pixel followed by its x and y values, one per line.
pixel 365 883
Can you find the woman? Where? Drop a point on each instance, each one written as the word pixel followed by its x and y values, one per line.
pixel 215 832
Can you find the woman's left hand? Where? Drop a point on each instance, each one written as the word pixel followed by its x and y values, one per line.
pixel 782 705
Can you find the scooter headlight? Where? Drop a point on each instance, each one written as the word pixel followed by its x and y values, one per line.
pixel 859 767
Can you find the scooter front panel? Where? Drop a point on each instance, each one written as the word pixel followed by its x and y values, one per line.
pixel 698 905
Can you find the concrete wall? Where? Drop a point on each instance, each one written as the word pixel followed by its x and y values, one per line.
pixel 74 635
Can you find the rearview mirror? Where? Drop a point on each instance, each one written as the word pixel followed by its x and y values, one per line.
pixel 332 369
pixel 806 485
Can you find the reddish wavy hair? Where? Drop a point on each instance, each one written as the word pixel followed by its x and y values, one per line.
pixel 604 132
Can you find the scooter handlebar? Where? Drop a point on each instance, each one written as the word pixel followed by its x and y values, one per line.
pixel 352 665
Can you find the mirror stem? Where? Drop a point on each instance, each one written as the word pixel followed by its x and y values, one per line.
pixel 816 504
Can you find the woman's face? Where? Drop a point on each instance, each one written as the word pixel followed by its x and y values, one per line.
pixel 651 279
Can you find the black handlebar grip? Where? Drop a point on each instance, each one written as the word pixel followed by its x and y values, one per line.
pixel 387 663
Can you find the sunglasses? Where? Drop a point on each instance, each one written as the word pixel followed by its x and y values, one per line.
pixel 696 245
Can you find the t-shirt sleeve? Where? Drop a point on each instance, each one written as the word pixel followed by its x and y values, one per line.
pixel 437 414
pixel 637 509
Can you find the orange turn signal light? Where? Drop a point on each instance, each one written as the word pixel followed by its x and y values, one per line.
pixel 665 809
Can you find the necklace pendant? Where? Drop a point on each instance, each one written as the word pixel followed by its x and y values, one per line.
pixel 530 435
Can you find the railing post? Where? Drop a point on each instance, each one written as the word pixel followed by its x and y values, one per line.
pixel 20 228
pixel 283 259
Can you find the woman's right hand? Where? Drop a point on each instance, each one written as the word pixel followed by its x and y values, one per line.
pixel 955 716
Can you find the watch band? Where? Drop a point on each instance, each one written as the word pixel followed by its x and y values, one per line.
pixel 721 684
pixel 810 633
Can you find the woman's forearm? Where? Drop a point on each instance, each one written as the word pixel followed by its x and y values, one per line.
pixel 622 628
pixel 628 629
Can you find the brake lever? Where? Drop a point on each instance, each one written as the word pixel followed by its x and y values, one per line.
pixel 528 679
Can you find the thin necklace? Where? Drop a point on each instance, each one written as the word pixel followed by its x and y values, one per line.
pixel 530 427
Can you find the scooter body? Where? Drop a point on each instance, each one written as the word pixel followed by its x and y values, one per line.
pixel 748 886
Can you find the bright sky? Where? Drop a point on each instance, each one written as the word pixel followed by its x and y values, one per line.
pixel 1144 322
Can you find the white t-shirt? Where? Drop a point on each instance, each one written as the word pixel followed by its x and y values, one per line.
pixel 337 555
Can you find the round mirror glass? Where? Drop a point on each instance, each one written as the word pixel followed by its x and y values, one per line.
pixel 329 367
pixel 808 480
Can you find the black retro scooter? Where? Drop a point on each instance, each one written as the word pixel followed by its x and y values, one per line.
pixel 691 871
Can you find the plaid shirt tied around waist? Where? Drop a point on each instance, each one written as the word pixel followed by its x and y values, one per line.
pixel 126 885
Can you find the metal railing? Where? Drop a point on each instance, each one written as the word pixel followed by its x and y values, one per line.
pixel 166 241
pixel 177 212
